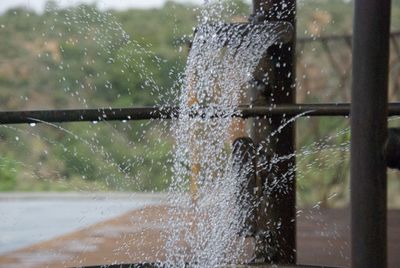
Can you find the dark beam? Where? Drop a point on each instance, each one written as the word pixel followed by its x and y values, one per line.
pixel 276 239
pixel 81 115
pixel 369 133
pixel 146 113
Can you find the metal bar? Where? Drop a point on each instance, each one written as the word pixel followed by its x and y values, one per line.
pixel 302 40
pixel 306 110
pixel 369 133
pixel 146 113
pixel 80 115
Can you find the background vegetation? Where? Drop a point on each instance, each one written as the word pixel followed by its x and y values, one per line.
pixel 83 57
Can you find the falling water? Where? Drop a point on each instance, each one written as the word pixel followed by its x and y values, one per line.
pixel 205 226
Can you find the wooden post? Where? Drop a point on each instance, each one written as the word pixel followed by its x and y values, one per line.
pixel 276 228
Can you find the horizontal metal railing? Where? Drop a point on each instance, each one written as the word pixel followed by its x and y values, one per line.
pixel 146 113
pixel 327 38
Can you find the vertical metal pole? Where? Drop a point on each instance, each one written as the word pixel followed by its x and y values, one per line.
pixel 369 133
pixel 278 214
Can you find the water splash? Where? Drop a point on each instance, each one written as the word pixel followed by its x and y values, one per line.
pixel 219 69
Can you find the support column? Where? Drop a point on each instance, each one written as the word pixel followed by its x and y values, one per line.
pixel 276 239
pixel 369 133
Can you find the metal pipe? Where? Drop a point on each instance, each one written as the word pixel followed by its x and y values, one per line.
pixel 369 133
pixel 328 38
pixel 80 115
pixel 323 109
pixel 146 113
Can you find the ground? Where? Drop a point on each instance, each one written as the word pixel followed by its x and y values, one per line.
pixel 137 236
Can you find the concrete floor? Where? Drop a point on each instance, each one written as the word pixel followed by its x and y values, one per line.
pixel 137 236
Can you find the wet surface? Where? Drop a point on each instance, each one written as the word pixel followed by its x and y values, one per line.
pixel 139 236
pixel 28 218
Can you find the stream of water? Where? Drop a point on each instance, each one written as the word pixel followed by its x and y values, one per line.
pixel 218 75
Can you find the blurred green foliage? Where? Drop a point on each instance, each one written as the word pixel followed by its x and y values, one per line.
pixel 8 173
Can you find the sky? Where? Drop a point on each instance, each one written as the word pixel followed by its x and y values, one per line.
pixel 38 5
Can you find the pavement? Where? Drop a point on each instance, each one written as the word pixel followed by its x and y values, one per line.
pixel 29 218
pixel 138 236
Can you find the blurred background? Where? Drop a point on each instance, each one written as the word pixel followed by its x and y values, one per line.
pixel 88 54
pixel 75 54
